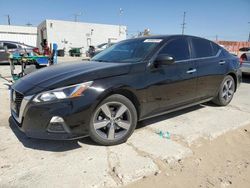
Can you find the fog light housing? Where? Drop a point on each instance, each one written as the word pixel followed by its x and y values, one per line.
pixel 57 125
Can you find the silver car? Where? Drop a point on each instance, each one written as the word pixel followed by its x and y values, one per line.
pixel 245 62
pixel 13 47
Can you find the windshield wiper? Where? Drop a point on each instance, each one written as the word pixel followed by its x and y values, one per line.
pixel 100 60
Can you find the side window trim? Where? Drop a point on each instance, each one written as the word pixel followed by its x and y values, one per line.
pixel 201 58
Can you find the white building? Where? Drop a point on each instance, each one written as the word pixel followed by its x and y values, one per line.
pixel 23 34
pixel 78 34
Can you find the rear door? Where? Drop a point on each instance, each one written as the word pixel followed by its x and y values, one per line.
pixel 211 67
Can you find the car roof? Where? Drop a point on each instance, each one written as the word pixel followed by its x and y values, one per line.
pixel 166 37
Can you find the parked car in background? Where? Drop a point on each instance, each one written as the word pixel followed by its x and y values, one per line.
pixel 245 49
pixel 93 50
pixel 14 47
pixel 245 62
pixel 17 46
pixel 130 81
pixel 4 55
pixel 103 46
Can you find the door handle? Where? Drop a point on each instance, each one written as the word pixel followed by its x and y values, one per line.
pixel 190 71
pixel 222 62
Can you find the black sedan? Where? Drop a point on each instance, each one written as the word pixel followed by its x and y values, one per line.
pixel 132 80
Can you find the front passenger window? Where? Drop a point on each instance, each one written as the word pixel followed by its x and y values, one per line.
pixel 177 48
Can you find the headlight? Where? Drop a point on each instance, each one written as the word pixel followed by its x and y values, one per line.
pixel 63 93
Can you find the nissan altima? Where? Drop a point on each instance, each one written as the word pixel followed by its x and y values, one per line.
pixel 132 80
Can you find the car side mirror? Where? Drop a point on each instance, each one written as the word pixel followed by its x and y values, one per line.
pixel 164 60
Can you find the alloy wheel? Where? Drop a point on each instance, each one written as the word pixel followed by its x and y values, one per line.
pixel 228 90
pixel 112 120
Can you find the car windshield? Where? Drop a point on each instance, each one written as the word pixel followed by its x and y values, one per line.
pixel 128 51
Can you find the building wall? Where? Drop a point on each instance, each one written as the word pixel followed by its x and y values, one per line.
pixel 234 46
pixel 77 34
pixel 23 34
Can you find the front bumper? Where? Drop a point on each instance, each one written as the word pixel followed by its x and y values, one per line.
pixel 35 119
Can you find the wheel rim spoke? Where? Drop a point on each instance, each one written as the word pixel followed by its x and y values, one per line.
pixel 111 132
pixel 226 86
pixel 224 94
pixel 226 97
pixel 123 124
pixel 230 84
pixel 101 124
pixel 230 92
pixel 105 109
pixel 121 111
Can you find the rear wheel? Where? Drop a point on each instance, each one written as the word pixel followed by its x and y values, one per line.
pixel 113 121
pixel 226 91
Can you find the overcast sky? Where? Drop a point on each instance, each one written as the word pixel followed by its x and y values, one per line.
pixel 228 19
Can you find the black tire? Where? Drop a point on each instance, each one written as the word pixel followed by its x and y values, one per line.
pixel 119 99
pixel 220 99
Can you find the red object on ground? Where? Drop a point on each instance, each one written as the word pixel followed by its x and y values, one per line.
pixel 46 50
pixel 36 50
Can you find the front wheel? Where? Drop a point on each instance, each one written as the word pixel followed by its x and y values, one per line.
pixel 113 121
pixel 226 91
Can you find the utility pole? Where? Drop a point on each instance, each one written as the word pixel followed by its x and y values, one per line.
pixel 249 34
pixel 76 16
pixel 183 25
pixel 8 18
pixel 120 15
pixel 216 38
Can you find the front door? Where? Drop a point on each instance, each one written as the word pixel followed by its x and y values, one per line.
pixel 174 85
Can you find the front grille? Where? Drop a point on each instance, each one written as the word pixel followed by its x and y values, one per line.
pixel 17 99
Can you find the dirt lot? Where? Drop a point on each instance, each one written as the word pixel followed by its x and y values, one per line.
pixel 203 140
pixel 223 162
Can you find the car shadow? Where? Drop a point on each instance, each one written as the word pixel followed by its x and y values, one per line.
pixel 48 145
pixel 246 78
pixel 156 119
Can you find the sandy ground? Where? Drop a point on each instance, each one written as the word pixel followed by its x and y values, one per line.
pixel 223 162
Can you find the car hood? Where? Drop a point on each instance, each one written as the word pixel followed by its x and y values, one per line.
pixel 65 74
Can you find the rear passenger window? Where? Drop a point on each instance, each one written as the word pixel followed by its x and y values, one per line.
pixel 177 48
pixel 202 48
pixel 216 48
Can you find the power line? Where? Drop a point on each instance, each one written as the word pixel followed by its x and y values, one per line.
pixel 183 23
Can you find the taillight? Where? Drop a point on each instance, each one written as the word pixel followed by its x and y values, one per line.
pixel 243 58
pixel 241 61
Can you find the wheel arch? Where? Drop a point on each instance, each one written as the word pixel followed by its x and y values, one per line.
pixel 124 92
pixel 235 79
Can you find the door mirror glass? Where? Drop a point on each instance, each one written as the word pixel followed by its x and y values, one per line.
pixel 164 59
